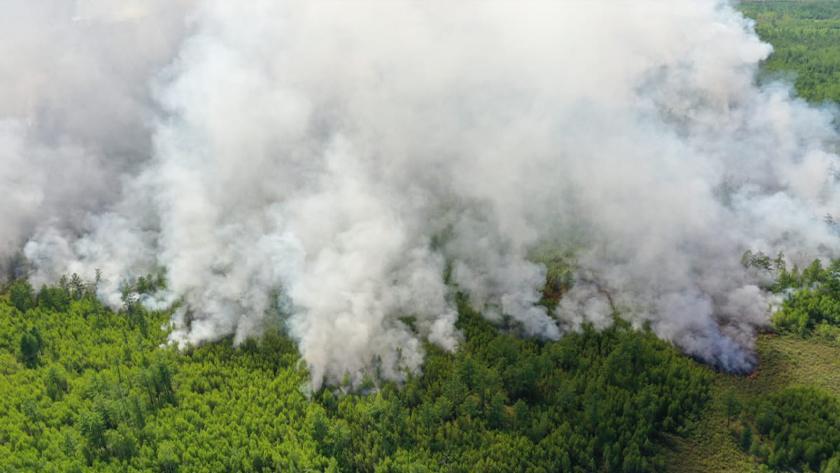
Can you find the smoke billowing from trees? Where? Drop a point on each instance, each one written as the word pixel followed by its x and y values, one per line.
pixel 341 167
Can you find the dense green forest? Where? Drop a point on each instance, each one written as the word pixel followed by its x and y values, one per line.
pixel 85 388
pixel 805 38
pixel 796 426
pixel 89 389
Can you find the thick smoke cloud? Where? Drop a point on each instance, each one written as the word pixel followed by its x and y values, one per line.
pixel 344 169
pixel 76 116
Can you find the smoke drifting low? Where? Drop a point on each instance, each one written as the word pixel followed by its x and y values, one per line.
pixel 340 167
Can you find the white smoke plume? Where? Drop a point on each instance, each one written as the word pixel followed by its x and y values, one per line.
pixel 345 168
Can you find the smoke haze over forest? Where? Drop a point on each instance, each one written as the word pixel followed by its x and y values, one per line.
pixel 338 167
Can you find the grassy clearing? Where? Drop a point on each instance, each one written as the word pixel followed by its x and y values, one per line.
pixel 784 361
pixel 710 446
pixel 787 360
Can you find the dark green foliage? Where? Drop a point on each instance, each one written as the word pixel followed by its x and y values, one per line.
pixel 21 296
pixel 731 405
pixel 815 300
pixel 54 298
pixel 804 36
pixel 85 389
pixel 103 394
pixel 799 428
pixel 56 383
pixel 806 310
pixel 30 347
pixel 757 260
pixel 590 402
pixel 746 438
